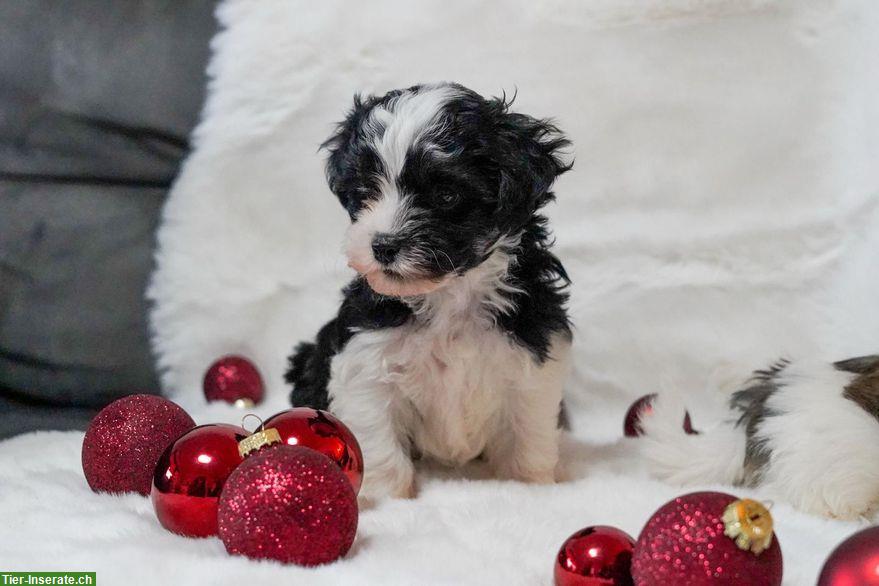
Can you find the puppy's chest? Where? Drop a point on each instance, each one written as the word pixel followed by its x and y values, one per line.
pixel 452 377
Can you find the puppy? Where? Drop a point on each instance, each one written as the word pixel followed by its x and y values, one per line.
pixel 453 340
pixel 805 431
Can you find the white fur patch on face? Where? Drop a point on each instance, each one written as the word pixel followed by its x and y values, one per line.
pixel 384 215
pixel 408 119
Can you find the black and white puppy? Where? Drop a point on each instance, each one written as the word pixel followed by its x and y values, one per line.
pixel 453 340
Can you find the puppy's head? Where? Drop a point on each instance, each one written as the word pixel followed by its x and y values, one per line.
pixel 432 177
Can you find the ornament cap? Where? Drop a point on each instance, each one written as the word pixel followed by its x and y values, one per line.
pixel 749 524
pixel 244 403
pixel 257 440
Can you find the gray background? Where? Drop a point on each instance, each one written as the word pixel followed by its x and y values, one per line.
pixel 97 99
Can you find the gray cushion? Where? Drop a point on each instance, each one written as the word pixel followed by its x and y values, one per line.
pixel 97 98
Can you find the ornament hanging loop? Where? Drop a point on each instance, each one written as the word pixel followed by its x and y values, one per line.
pixel 259 428
pixel 260 438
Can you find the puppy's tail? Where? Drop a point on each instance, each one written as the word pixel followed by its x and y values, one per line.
pixel 715 455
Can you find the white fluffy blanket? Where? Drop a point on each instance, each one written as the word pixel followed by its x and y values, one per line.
pixel 722 211
pixel 458 531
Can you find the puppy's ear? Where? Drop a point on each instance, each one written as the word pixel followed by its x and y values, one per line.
pixel 345 147
pixel 529 157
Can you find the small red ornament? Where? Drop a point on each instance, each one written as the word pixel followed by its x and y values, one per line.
pixel 190 476
pixel 235 380
pixel 644 406
pixel 595 556
pixel 708 539
pixel 855 562
pixel 323 432
pixel 289 504
pixel 126 438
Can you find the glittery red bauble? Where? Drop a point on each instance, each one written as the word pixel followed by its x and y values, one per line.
pixel 190 476
pixel 643 406
pixel 233 379
pixel 124 442
pixel 684 544
pixel 595 556
pixel 855 562
pixel 321 431
pixel 289 504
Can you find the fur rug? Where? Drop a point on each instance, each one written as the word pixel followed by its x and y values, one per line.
pixel 722 211
pixel 460 530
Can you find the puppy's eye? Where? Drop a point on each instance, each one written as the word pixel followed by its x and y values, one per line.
pixel 447 199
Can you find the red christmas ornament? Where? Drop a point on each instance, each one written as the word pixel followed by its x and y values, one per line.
pixel 855 562
pixel 595 556
pixel 235 380
pixel 322 432
pixel 126 438
pixel 190 476
pixel 289 504
pixel 644 406
pixel 708 538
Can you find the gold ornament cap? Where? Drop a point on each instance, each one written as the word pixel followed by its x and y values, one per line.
pixel 257 440
pixel 749 524
pixel 260 438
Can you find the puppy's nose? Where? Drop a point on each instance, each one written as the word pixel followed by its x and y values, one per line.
pixel 385 248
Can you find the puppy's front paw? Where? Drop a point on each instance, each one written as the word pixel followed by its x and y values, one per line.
pixel 532 465
pixel 537 476
pixel 388 483
pixel 511 470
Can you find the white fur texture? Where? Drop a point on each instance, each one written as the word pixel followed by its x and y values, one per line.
pixel 463 529
pixel 722 207
pixel 824 447
pixel 716 455
pixel 407 120
pixel 451 386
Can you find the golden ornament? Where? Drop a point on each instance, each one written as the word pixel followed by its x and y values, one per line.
pixel 749 524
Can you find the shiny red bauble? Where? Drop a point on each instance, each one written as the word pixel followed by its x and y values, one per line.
pixel 684 544
pixel 324 433
pixel 595 556
pixel 289 504
pixel 854 562
pixel 235 380
pixel 190 476
pixel 126 438
pixel 644 406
